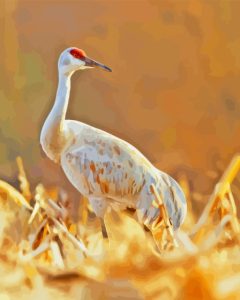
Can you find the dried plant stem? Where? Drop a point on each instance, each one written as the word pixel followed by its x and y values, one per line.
pixel 24 183
pixel 214 236
pixel 34 238
pixel 57 256
pixel 77 243
pixel 219 192
pixel 60 211
pixel 39 250
pixel 14 194
pixel 34 212
pixel 234 220
pixel 158 233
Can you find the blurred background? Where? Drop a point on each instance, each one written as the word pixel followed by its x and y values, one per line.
pixel 173 93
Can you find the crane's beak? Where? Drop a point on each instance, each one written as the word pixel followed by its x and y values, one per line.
pixel 92 63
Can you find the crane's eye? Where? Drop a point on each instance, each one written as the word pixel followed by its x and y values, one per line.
pixel 77 53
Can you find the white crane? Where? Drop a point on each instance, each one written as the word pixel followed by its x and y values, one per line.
pixel 107 170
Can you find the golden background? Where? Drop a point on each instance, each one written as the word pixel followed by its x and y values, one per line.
pixel 174 91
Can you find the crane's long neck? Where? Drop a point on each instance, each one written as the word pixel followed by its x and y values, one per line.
pixel 54 135
pixel 62 98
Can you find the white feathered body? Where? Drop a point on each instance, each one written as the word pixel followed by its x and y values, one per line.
pixel 111 172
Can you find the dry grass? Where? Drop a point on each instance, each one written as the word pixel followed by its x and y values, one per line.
pixel 45 255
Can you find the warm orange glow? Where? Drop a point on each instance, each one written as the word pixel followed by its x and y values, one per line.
pixel 52 250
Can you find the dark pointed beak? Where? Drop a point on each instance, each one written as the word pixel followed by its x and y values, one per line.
pixel 92 63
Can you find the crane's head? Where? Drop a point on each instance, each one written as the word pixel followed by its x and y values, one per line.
pixel 74 59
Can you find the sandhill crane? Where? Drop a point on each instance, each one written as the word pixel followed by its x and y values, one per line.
pixel 104 168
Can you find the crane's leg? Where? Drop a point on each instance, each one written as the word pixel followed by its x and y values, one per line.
pixel 99 206
pixel 104 229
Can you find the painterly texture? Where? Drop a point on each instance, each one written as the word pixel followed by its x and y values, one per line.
pixel 173 93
